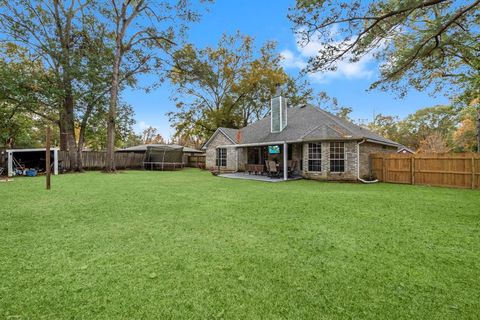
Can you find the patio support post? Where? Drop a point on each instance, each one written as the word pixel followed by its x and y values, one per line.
pixel 285 161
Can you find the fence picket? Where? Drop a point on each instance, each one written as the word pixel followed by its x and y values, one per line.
pixel 454 170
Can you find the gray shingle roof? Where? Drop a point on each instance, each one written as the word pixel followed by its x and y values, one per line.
pixel 230 133
pixel 304 123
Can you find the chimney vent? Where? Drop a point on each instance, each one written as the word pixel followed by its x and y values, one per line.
pixel 278 112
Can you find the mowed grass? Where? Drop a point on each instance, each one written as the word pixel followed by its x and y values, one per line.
pixel 138 245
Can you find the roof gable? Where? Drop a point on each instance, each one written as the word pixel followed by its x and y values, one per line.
pixel 229 133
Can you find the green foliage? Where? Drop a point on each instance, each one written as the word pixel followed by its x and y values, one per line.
pixel 187 245
pixel 424 122
pixel 419 43
pixel 96 133
pixel 386 126
pixel 55 67
pixel 411 131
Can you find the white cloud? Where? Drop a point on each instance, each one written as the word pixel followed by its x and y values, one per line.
pixel 140 126
pixel 290 60
pixel 361 69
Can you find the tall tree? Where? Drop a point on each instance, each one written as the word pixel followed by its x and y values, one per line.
pixel 420 43
pixel 438 121
pixel 229 85
pixel 425 122
pixel 24 97
pixel 67 41
pixel 151 135
pixel 143 30
pixel 465 137
pixel 434 143
pixel 386 126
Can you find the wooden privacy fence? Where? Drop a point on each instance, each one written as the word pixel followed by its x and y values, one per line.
pixel 197 161
pixel 460 170
pixel 95 160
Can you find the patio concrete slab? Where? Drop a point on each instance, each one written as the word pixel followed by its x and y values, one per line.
pixel 246 176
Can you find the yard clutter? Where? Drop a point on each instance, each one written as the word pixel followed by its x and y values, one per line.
pixel 29 162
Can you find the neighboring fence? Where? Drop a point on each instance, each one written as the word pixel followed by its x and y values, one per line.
pixel 197 161
pixel 95 160
pixel 460 170
pixel 2 156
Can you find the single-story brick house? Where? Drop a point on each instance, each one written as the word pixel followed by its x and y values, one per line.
pixel 320 144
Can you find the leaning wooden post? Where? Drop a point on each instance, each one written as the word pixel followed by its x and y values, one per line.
pixel 47 158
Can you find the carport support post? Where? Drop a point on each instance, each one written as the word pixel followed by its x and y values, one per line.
pixel 55 161
pixel 285 160
pixel 10 164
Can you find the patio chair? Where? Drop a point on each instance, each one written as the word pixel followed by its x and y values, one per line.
pixel 272 169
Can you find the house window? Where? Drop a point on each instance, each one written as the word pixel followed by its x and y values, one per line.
pixel 221 160
pixel 337 156
pixel 314 157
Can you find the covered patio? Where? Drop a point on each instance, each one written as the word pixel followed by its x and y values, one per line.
pixel 272 161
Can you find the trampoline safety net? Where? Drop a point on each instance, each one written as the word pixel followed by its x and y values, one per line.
pixel 163 158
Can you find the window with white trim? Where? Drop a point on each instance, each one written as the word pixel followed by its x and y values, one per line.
pixel 337 156
pixel 221 159
pixel 314 157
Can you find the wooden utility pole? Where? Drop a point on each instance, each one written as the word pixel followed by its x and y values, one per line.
pixel 47 158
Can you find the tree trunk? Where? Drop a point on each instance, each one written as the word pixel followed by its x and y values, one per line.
pixel 81 137
pixel 112 113
pixel 63 133
pixel 79 154
pixel 70 130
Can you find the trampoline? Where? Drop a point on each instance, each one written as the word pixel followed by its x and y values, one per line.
pixel 166 157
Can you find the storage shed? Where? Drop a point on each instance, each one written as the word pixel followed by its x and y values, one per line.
pixel 19 160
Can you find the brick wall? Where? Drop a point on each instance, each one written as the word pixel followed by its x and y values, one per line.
pixel 368 148
pixel 351 160
pixel 350 172
pixel 221 140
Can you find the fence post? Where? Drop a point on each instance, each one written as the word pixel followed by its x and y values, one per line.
pixel 412 168
pixel 384 169
pixel 473 172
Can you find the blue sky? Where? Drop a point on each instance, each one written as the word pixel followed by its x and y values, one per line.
pixel 267 20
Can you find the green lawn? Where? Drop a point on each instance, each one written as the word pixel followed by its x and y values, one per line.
pixel 190 245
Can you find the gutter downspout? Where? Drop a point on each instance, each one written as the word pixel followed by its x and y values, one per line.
pixel 358 164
